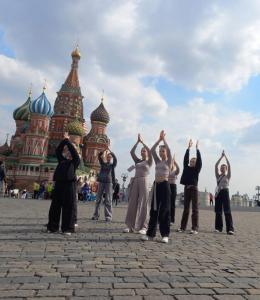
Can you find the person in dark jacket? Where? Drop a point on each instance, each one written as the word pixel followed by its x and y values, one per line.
pixel 106 180
pixel 189 179
pixel 116 192
pixel 2 179
pixel 64 193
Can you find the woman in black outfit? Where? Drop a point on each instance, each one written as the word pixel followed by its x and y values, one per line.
pixel 64 193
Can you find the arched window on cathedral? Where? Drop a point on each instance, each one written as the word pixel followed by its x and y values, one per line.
pixel 46 170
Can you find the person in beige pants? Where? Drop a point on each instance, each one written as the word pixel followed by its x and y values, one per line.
pixel 138 199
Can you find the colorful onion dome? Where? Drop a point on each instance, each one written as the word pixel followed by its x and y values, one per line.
pixel 76 52
pixel 75 128
pixel 23 112
pixel 100 114
pixel 41 105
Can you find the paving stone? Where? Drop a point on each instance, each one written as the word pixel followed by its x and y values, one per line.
pixel 122 292
pixel 229 297
pixel 127 298
pixel 17 293
pixel 230 291
pixel 91 292
pixel 143 292
pixel 253 291
pixel 193 297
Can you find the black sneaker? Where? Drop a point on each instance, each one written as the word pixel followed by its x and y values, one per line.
pixel 94 218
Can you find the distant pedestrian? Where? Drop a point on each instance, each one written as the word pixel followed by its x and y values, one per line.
pixel 116 188
pixel 79 189
pixel 36 188
pixel 41 191
pixel 85 190
pixel 211 199
pixel 190 178
pixel 2 179
pixel 64 193
pixel 222 200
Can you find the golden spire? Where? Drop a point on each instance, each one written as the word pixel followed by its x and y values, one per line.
pixel 102 96
pixel 30 91
pixel 76 52
pixel 45 85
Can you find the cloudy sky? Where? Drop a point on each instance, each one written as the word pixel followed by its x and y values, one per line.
pixel 188 67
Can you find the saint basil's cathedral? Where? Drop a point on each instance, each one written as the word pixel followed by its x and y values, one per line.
pixel 30 156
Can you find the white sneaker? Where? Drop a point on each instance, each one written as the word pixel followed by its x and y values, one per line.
pixel 180 230
pixel 165 240
pixel 76 225
pixel 66 233
pixel 230 232
pixel 193 232
pixel 217 231
pixel 146 238
pixel 142 231
pixel 126 230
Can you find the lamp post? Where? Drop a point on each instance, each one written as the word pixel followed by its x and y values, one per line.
pixel 258 194
pixel 124 177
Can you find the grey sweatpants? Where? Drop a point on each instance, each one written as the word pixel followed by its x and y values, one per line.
pixel 138 204
pixel 107 189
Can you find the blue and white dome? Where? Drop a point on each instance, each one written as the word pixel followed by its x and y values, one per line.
pixel 41 106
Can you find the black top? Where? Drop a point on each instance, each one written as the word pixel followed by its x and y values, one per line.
pixel 66 168
pixel 2 173
pixel 190 175
pixel 116 188
pixel 107 170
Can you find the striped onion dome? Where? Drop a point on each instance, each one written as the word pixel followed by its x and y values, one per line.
pixel 23 112
pixel 41 105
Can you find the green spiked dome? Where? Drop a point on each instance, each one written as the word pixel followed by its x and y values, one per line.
pixel 75 128
pixel 23 113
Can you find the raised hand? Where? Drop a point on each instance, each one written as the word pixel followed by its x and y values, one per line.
pixel 197 144
pixel 140 139
pixel 190 143
pixel 66 135
pixel 223 154
pixel 162 135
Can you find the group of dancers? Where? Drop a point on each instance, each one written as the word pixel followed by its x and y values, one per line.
pixel 144 210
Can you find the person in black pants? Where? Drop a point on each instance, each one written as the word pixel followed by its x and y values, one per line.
pixel 64 193
pixel 222 200
pixel 189 179
pixel 161 194
pixel 175 170
pixel 116 192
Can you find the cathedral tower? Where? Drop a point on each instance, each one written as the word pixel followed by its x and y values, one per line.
pixel 96 140
pixel 68 106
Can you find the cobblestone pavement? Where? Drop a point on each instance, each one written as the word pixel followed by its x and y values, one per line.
pixel 101 262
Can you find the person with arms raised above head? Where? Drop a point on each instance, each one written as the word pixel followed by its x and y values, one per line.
pixel 138 196
pixel 106 180
pixel 222 200
pixel 161 195
pixel 190 178
pixel 64 192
